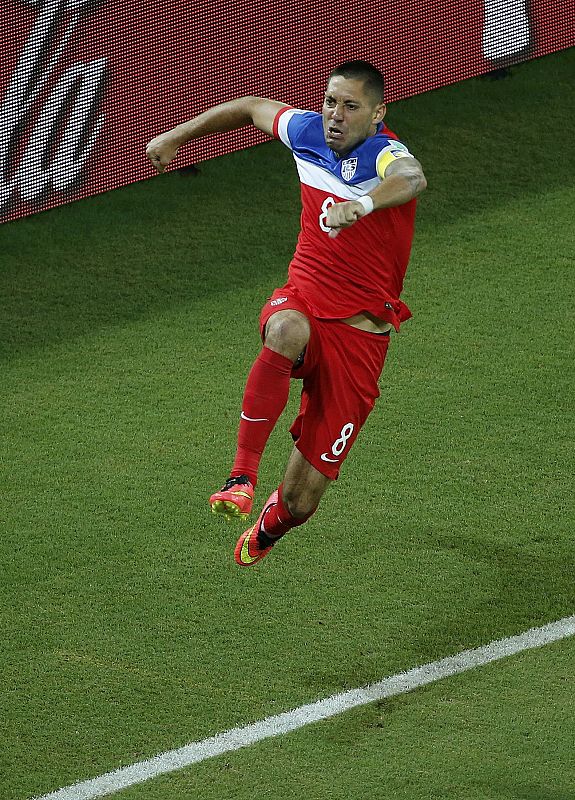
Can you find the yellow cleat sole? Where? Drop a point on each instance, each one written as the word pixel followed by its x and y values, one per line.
pixel 228 510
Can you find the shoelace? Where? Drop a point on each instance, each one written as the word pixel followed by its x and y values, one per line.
pixel 238 479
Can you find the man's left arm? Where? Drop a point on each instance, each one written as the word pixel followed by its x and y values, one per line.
pixel 403 180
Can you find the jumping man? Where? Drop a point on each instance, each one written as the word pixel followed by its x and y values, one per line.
pixel 330 324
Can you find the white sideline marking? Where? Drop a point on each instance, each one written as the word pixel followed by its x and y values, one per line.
pixel 237 738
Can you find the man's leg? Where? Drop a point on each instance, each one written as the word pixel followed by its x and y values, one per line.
pixel 292 504
pixel 267 388
pixel 286 335
pixel 302 488
pixel 339 392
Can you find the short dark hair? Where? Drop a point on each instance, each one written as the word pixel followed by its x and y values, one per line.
pixel 358 70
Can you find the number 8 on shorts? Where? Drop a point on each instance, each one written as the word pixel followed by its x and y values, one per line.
pixel 340 443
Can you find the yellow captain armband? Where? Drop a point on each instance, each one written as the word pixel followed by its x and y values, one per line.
pixel 392 152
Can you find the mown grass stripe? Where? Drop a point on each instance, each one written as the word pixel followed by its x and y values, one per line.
pixel 236 738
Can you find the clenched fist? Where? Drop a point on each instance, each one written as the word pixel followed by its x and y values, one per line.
pixel 162 150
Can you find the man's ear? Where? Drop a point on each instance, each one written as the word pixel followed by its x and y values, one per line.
pixel 379 113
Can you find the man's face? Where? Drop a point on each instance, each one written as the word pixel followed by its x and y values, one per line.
pixel 350 114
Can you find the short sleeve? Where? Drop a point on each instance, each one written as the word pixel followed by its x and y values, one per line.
pixel 390 152
pixel 288 123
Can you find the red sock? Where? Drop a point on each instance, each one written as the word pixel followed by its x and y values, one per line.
pixel 265 397
pixel 278 520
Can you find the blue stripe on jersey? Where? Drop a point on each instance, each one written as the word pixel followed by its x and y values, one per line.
pixel 305 132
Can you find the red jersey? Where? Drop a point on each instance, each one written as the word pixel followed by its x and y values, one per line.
pixel 362 269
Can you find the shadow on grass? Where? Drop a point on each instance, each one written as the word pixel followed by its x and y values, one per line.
pixel 536 793
pixel 521 576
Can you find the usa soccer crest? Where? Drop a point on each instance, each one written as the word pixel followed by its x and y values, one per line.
pixel 348 168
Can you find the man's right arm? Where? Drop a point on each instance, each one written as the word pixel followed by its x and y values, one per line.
pixel 258 111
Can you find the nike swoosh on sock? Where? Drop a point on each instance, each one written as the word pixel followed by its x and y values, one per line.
pixel 253 419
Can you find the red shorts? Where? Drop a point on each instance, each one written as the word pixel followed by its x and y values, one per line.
pixel 340 374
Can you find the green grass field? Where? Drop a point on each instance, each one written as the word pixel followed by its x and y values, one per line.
pixel 129 322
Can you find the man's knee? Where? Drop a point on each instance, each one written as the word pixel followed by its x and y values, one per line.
pixel 287 332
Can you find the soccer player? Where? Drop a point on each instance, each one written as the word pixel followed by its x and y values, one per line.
pixel 330 324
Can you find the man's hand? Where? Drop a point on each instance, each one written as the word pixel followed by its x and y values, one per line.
pixel 162 150
pixel 342 215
